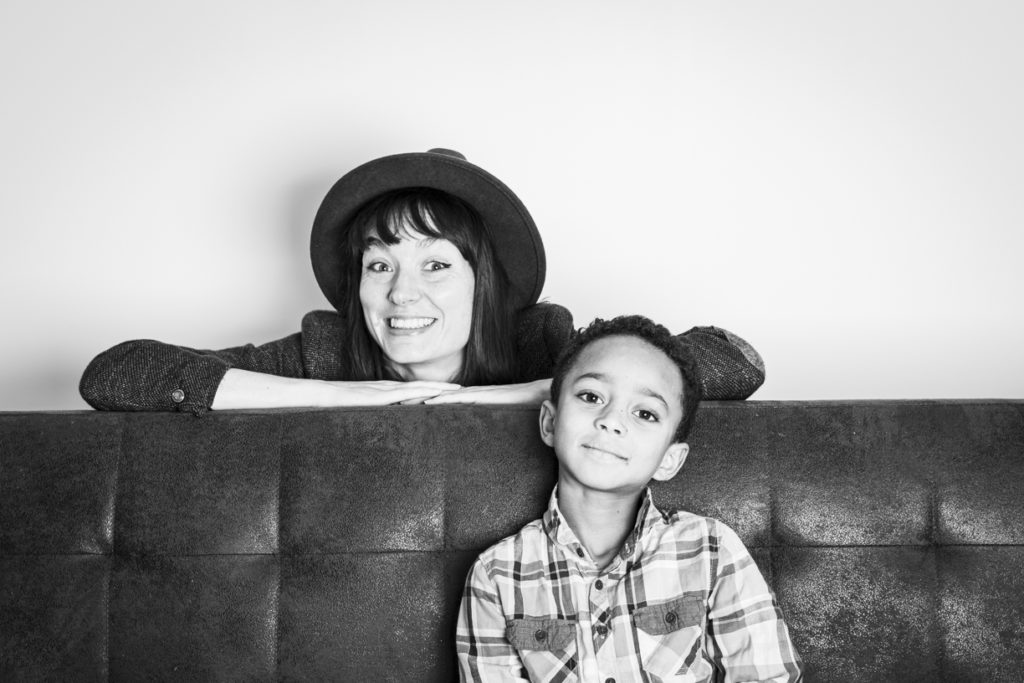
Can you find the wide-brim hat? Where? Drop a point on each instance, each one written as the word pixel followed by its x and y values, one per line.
pixel 511 230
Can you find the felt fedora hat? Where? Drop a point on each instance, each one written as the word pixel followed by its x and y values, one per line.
pixel 510 228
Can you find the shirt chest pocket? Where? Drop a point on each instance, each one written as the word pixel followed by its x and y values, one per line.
pixel 541 634
pixel 546 647
pixel 670 635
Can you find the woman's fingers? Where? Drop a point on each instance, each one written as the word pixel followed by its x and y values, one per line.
pixel 379 393
pixel 414 393
pixel 496 395
pixel 529 393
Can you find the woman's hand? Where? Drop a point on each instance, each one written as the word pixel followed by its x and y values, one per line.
pixel 384 392
pixel 529 393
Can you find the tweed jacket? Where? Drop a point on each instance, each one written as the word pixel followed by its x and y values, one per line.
pixel 149 375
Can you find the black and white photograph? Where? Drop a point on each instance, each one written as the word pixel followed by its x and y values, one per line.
pixel 492 341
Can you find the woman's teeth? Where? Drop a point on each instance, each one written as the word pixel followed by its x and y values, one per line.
pixel 409 323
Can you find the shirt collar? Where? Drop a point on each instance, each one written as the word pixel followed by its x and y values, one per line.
pixel 560 534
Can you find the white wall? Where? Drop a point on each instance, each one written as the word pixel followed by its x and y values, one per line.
pixel 839 182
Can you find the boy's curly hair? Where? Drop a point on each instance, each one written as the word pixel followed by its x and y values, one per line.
pixel 677 350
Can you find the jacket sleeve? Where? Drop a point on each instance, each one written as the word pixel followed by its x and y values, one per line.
pixel 542 332
pixel 149 375
pixel 730 368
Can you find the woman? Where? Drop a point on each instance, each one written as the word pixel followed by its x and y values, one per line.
pixel 434 267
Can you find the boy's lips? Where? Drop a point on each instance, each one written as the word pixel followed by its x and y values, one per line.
pixel 606 451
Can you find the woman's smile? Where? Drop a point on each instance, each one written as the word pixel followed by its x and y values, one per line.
pixel 400 325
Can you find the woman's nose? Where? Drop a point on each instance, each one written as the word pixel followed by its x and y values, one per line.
pixel 405 287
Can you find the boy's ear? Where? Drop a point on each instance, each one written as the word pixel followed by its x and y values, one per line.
pixel 673 459
pixel 547 422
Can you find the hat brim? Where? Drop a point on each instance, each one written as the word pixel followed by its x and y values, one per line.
pixel 513 234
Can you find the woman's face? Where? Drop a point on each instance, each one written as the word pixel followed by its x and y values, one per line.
pixel 417 299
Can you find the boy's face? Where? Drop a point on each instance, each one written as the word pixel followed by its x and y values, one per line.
pixel 617 414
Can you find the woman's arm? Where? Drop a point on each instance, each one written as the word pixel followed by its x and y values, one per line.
pixel 246 389
pixel 152 375
pixel 730 368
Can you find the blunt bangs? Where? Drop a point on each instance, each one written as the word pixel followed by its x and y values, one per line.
pixel 431 213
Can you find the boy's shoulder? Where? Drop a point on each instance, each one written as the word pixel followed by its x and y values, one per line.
pixel 683 521
pixel 685 526
pixel 531 536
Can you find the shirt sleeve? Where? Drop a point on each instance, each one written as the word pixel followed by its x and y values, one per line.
pixel 730 368
pixel 150 375
pixel 483 649
pixel 748 639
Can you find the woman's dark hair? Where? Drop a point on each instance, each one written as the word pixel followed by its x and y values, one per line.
pixel 490 356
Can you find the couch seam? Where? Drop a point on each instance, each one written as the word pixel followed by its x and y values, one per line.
pixel 277 549
pixel 113 553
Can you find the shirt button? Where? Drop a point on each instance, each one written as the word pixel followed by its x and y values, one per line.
pixel 177 395
pixel 670 618
pixel 598 584
pixel 601 629
pixel 609 680
pixel 579 551
pixel 541 635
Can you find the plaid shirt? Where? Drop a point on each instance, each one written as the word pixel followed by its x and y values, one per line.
pixel 682 601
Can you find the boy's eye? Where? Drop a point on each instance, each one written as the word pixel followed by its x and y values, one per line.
pixel 647 415
pixel 589 397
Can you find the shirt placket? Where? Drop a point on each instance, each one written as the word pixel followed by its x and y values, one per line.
pixel 598 658
pixel 603 592
pixel 582 574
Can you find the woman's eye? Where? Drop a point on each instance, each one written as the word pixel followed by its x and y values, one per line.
pixel 589 397
pixel 435 266
pixel 377 267
pixel 646 416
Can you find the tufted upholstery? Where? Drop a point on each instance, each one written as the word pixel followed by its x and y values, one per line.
pixel 332 544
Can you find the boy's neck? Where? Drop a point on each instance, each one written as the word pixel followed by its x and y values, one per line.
pixel 601 521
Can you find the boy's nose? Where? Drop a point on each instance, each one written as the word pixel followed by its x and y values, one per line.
pixel 611 421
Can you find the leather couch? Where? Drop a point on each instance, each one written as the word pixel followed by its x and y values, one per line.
pixel 332 544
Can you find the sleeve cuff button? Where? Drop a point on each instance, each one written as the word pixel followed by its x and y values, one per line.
pixel 177 395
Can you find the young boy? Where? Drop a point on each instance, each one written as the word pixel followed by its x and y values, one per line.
pixel 605 587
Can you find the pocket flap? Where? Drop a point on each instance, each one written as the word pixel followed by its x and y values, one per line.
pixel 539 633
pixel 666 617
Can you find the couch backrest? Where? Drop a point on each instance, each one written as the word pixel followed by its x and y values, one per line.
pixel 332 544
